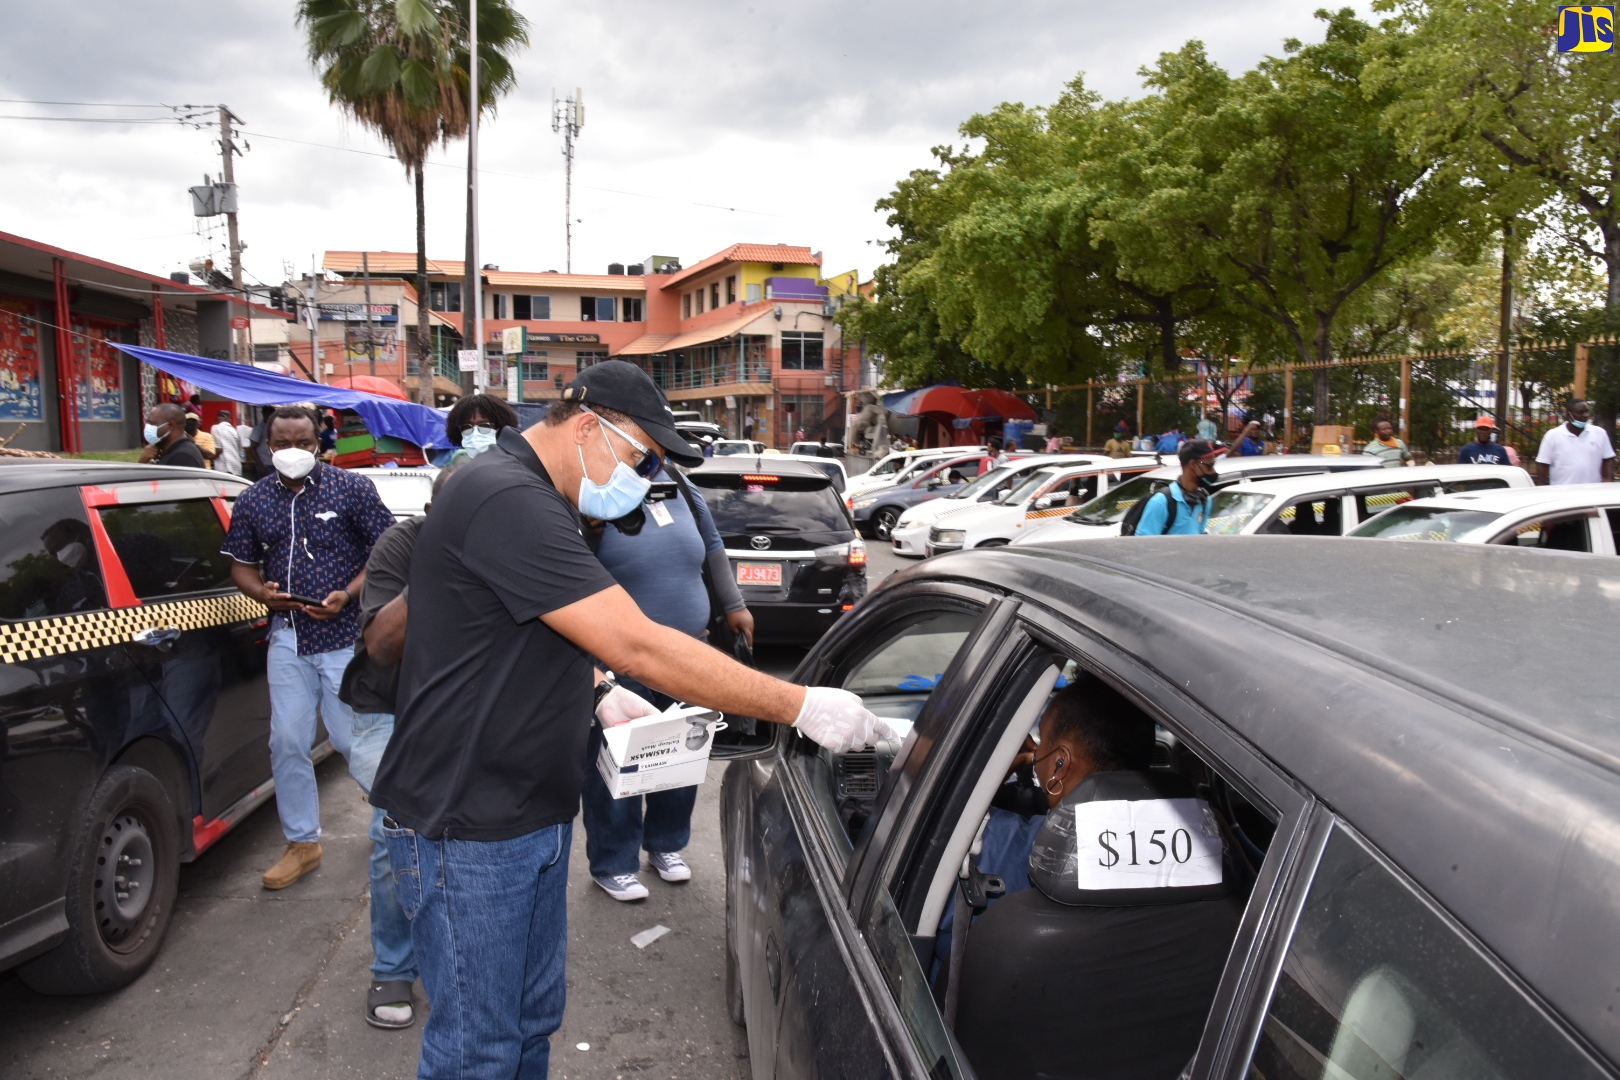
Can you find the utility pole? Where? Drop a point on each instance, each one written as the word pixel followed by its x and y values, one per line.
pixel 1504 361
pixel 568 117
pixel 227 150
pixel 472 305
pixel 314 313
pixel 371 348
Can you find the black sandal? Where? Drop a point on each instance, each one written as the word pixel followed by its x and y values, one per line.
pixel 396 992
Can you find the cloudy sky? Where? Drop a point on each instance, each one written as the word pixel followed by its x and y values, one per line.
pixel 707 124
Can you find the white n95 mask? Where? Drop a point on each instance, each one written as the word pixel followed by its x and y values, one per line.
pixel 293 463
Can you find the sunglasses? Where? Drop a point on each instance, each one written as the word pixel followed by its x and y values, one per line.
pixel 650 461
pixel 486 429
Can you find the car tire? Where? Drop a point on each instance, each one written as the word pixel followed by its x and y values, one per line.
pixel 129 837
pixel 997 542
pixel 884 521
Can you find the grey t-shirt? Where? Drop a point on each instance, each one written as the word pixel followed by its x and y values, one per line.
pixel 372 686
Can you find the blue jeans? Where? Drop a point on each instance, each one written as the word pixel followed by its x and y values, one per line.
pixel 616 829
pixel 390 930
pixel 489 920
pixel 298 685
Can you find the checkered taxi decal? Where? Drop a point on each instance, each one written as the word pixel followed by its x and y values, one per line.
pixel 39 639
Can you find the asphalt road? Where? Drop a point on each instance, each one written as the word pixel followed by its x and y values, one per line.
pixel 271 986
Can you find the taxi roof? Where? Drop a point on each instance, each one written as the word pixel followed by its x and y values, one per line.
pixel 1286 486
pixel 1451 701
pixel 1509 500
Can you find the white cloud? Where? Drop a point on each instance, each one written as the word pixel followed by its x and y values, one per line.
pixel 799 116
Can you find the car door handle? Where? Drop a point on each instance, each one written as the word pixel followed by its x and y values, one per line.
pixel 156 637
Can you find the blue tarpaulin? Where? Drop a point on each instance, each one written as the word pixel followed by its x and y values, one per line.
pixel 408 420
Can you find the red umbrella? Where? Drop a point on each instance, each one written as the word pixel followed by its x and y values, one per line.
pixel 961 404
pixel 370 384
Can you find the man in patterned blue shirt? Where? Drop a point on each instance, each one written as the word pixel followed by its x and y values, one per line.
pixel 304 534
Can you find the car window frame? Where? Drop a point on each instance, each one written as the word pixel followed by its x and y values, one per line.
pixel 1505 538
pixel 1245 1034
pixel 1297 842
pixel 221 513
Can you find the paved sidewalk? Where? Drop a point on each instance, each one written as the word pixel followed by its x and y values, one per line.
pixel 255 984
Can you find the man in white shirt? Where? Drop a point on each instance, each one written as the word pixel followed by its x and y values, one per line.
pixel 1576 451
pixel 227 442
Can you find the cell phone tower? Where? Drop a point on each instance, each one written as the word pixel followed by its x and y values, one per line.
pixel 568 117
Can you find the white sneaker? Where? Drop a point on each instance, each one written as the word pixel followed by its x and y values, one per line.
pixel 621 886
pixel 670 866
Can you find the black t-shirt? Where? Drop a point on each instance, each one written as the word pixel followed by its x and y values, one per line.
pixel 494 706
pixel 182 452
pixel 368 685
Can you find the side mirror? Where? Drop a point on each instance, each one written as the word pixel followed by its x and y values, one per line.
pixel 1043 503
pixel 933 485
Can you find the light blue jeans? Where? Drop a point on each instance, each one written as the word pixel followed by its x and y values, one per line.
pixel 299 685
pixel 490 923
pixel 391 950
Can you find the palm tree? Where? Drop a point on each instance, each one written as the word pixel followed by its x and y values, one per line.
pixel 399 67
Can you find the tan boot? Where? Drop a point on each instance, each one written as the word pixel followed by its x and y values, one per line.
pixel 298 860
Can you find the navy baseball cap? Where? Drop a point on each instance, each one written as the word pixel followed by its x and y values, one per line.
pixel 1200 449
pixel 625 388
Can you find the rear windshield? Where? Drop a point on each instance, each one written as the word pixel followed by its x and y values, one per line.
pixel 1427 523
pixel 761 503
pixel 1116 502
pixel 409 492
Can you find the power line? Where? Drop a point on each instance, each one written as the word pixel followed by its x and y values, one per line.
pixel 90 104
pixel 99 119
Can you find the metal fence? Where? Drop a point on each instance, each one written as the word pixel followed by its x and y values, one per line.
pixel 1431 398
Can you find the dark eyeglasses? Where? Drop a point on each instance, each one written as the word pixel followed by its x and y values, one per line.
pixel 650 461
pixel 485 429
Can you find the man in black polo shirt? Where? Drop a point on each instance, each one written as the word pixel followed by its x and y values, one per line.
pixel 482 776
pixel 166 441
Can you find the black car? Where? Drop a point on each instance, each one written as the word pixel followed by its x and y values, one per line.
pixel 1411 838
pixel 794 549
pixel 135 707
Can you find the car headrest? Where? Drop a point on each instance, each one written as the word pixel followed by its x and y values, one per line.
pixel 1128 839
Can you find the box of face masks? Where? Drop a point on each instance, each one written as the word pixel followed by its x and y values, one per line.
pixel 656 753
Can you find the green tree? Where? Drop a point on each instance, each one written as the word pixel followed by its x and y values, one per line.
pixel 1286 177
pixel 1485 91
pixel 400 67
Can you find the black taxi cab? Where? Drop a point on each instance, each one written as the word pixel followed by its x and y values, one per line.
pixel 134 709
pixel 1410 838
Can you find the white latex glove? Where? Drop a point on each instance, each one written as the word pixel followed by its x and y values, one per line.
pixel 838 720
pixel 620 706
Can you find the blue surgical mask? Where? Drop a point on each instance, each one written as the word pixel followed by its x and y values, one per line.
pixel 476 440
pixel 151 433
pixel 623 492
pixel 1578 425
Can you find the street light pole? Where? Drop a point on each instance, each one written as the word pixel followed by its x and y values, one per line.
pixel 474 317
pixel 227 151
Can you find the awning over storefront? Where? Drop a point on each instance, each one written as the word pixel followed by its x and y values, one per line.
pixel 406 420
pixel 647 344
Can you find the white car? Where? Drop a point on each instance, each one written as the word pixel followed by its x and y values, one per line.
pixel 406 492
pixel 1045 495
pixel 900 465
pixel 1569 517
pixel 910 534
pixel 1102 517
pixel 1333 505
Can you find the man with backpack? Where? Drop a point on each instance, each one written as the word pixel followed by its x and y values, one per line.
pixel 1182 508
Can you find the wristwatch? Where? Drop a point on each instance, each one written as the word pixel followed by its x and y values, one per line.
pixel 604 688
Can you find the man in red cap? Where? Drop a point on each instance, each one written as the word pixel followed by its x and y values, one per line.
pixel 1482 451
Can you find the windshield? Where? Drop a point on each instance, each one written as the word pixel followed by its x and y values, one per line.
pixel 886 468
pixel 1229 511
pixel 765 508
pixel 1427 523
pixel 1025 490
pixel 1114 504
pixel 726 449
pixel 976 488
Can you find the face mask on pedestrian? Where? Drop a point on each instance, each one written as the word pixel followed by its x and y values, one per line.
pixel 152 433
pixel 475 440
pixel 1578 425
pixel 293 463
pixel 622 494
